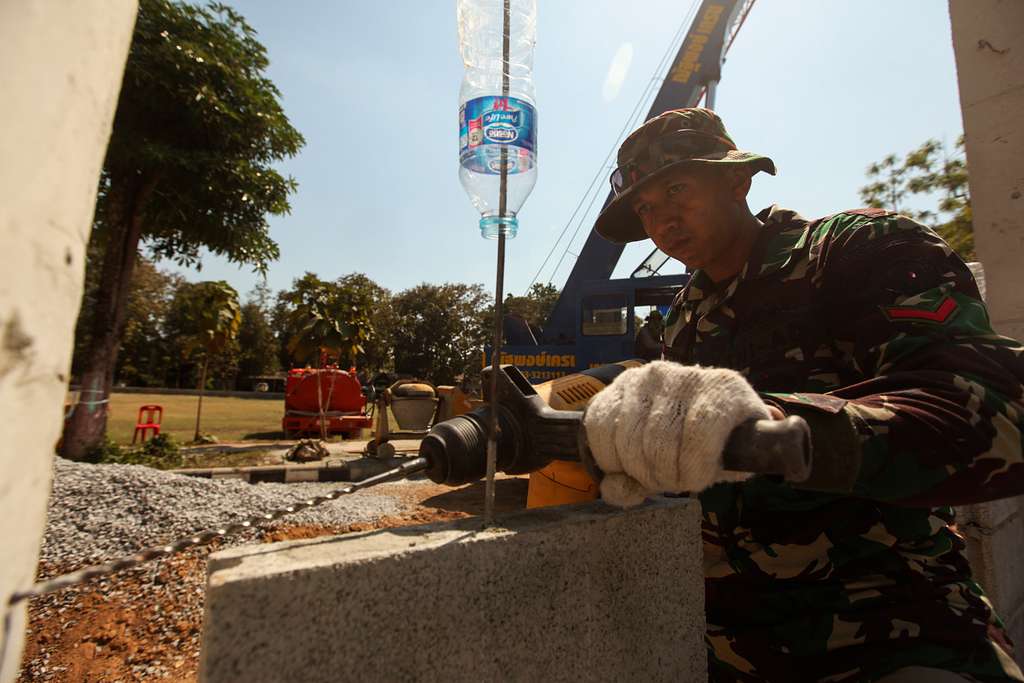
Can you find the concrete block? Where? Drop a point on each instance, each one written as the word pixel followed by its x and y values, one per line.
pixel 997 560
pixel 1015 627
pixel 231 474
pixel 581 592
pixel 989 516
pixel 297 474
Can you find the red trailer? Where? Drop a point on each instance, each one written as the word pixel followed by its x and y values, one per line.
pixel 342 396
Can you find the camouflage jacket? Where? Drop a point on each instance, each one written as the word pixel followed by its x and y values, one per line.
pixel 870 327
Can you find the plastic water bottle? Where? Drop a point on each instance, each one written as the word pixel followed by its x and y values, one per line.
pixel 497 128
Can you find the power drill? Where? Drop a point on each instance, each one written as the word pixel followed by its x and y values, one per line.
pixel 532 435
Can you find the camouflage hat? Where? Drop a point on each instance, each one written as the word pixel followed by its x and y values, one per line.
pixel 675 138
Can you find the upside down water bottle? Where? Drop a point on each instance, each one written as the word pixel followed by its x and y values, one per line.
pixel 497 116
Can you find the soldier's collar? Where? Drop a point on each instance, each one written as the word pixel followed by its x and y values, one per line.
pixel 784 232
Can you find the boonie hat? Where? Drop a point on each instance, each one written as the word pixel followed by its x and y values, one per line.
pixel 675 138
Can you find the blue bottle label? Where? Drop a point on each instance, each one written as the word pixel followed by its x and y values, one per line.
pixel 488 124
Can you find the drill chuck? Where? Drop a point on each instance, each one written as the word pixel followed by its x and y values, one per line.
pixel 457 448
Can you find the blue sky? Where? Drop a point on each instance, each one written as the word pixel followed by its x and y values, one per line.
pixel 824 87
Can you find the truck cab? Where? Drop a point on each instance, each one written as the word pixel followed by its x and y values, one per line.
pixel 605 329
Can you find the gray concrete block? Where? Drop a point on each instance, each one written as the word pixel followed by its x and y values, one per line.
pixel 997 561
pixel 989 516
pixel 1015 627
pixel 581 592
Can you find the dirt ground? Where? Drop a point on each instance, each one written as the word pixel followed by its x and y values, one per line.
pixel 146 623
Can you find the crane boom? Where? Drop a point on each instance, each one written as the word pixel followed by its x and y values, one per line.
pixel 592 323
pixel 696 67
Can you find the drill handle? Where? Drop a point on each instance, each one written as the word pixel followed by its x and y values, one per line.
pixel 780 447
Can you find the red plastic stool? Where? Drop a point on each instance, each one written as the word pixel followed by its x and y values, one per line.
pixel 150 423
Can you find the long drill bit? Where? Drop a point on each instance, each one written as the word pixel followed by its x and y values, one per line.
pixel 499 288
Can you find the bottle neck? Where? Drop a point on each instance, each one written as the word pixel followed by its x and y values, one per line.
pixel 492 226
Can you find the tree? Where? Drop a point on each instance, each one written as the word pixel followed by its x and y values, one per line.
pixel 359 291
pixel 443 331
pixel 325 329
pixel 339 299
pixel 214 316
pixel 144 358
pixel 256 339
pixel 197 129
pixel 929 169
pixel 535 306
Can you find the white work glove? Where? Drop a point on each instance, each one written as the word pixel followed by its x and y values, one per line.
pixel 663 427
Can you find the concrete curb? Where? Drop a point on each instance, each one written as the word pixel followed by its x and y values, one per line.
pixel 339 470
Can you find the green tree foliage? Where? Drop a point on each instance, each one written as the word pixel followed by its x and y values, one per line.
pixel 256 339
pixel 328 325
pixel 197 130
pixel 145 357
pixel 213 317
pixel 535 306
pixel 326 332
pixel 359 307
pixel 359 291
pixel 442 332
pixel 928 170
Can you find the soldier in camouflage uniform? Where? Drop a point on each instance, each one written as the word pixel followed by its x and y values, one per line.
pixel 866 324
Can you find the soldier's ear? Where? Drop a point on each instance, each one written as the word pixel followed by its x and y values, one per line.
pixel 739 182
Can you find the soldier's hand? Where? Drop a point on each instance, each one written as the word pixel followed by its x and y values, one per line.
pixel 663 427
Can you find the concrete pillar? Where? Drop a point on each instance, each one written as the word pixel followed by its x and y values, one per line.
pixel 988 42
pixel 582 593
pixel 995 549
pixel 62 67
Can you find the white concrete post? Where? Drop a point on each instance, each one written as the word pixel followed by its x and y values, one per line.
pixel 62 68
pixel 988 41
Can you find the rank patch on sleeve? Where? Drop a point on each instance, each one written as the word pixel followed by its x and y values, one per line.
pixel 938 314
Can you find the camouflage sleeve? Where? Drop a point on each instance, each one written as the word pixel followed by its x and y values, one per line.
pixel 935 413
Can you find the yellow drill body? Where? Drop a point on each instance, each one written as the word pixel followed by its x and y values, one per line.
pixel 563 482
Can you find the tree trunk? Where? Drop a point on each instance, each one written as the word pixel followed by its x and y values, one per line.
pixel 202 388
pixel 124 203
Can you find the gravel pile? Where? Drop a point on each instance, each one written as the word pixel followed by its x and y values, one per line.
pixel 145 623
pixel 99 512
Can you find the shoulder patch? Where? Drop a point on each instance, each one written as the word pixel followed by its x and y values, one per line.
pixel 938 314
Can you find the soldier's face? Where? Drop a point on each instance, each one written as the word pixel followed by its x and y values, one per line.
pixel 692 214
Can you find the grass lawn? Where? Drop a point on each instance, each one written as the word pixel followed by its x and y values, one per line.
pixel 229 419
